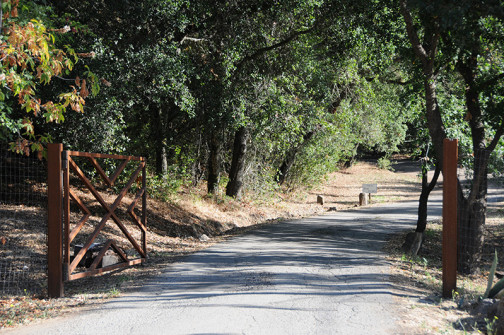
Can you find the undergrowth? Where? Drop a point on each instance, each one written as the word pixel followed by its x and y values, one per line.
pixel 425 271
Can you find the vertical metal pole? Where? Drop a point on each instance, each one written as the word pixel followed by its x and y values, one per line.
pixel 54 226
pixel 450 159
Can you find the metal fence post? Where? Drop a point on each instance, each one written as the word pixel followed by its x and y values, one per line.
pixel 450 160
pixel 54 226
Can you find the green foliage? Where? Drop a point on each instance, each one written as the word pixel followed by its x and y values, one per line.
pixel 303 82
pixel 165 187
pixel 322 155
pixel 30 61
pixel 491 276
pixel 384 163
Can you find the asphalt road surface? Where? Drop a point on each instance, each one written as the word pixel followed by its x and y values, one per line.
pixel 322 275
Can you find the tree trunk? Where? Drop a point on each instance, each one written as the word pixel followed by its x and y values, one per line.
pixel 214 160
pixel 196 169
pixel 287 163
pixel 426 53
pixel 424 198
pixel 236 174
pixel 290 157
pixel 472 215
pixel 161 159
pixel 159 140
pixel 415 240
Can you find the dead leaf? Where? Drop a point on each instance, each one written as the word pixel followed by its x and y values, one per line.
pixel 105 82
pixel 84 93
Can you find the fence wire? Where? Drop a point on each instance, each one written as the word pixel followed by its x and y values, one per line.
pixel 23 225
pixel 481 217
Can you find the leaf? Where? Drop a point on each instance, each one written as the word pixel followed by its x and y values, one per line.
pixel 84 93
pixel 491 276
pixel 497 288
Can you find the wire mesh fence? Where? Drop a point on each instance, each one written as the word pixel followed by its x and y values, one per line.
pixel 23 224
pixel 481 215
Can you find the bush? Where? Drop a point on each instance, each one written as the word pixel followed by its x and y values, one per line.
pixel 384 163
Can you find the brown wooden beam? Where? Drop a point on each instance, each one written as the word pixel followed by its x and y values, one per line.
pixel 95 155
pixel 450 160
pixel 55 224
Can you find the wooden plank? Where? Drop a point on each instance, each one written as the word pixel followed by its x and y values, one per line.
pixel 119 170
pixel 66 209
pixel 55 224
pixel 105 269
pixel 86 246
pixel 100 171
pixel 119 252
pixel 450 160
pixel 100 255
pixel 95 155
pixel 132 206
pixel 80 224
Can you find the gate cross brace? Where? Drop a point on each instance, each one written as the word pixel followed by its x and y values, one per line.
pixel 110 213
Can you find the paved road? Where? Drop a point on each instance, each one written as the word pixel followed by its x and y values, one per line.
pixel 322 275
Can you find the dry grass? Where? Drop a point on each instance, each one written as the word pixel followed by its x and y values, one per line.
pixel 422 276
pixel 177 228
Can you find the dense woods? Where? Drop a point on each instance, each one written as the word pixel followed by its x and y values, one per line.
pixel 255 96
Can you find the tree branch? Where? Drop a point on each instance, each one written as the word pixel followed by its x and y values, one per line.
pixel 399 82
pixel 262 51
pixel 491 82
pixel 498 135
pixel 192 39
pixel 412 33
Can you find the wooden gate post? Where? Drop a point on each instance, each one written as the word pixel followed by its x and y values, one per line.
pixel 450 160
pixel 54 226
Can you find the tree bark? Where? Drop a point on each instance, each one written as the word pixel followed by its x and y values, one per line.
pixel 237 171
pixel 287 163
pixel 473 208
pixel 426 53
pixel 214 163
pixel 415 240
pixel 196 169
pixel 290 158
pixel 424 198
pixel 159 140
pixel 471 222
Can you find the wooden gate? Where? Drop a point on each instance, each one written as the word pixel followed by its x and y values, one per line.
pixel 66 259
